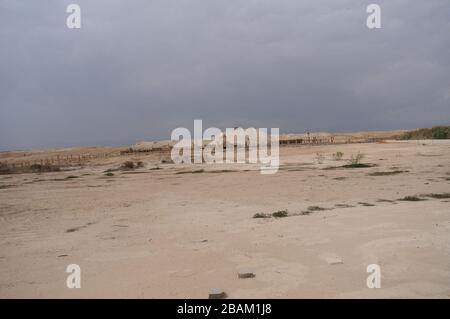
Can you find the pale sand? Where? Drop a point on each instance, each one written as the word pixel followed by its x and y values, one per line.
pixel 159 234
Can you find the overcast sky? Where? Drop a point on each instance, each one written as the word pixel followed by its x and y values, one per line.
pixel 137 69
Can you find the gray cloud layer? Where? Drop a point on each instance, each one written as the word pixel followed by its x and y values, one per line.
pixel 138 69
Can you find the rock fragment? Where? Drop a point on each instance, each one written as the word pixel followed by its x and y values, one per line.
pixel 334 260
pixel 245 273
pixel 216 293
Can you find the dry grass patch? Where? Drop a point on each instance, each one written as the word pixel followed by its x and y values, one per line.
pixel 366 204
pixel 277 214
pixel 343 206
pixel 35 168
pixel 358 165
pixel 387 173
pixel 386 201
pixel 261 215
pixel 129 165
pixel 412 199
pixel 191 172
pixel 316 208
pixel 280 214
pixel 438 196
pixel 7 186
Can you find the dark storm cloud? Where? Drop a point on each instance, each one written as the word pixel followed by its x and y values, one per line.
pixel 138 69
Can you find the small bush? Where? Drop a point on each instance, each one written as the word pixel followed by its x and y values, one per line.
pixel 356 159
pixel 139 164
pixel 419 134
pixel 277 214
pixel 315 208
pixel 343 206
pixel 337 156
pixel 127 165
pixel 320 157
pixel 436 132
pixel 439 196
pixel 440 132
pixel 280 214
pixel 261 215
pixel 411 199
pixel 109 174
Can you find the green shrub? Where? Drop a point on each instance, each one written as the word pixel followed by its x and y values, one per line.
pixel 440 132
pixel 439 196
pixel 436 132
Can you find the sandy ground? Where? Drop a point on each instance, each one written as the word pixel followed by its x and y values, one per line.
pixel 156 234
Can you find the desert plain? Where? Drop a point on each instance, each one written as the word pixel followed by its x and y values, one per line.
pixel 165 230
